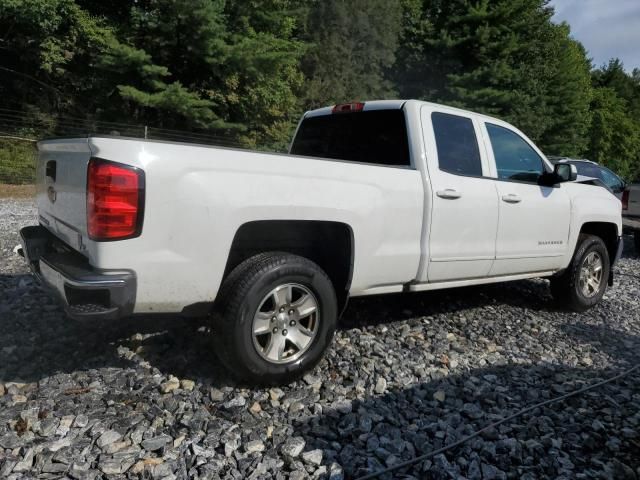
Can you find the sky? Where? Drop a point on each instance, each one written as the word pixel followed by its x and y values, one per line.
pixel 607 28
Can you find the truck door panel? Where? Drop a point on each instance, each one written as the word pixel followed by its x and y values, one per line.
pixel 464 215
pixel 534 220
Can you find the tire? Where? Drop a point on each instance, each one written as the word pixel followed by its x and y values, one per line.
pixel 248 304
pixel 636 241
pixel 569 290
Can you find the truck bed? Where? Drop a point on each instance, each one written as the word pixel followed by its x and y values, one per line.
pixel 197 197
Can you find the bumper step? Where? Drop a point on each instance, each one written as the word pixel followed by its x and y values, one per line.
pixel 89 309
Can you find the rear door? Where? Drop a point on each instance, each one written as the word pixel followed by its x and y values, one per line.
pixel 534 219
pixel 464 214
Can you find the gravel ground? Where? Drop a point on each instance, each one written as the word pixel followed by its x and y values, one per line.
pixel 146 397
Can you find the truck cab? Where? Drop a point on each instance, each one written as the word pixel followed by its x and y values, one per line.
pixel 492 206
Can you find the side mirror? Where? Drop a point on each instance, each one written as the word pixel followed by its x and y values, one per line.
pixel 565 172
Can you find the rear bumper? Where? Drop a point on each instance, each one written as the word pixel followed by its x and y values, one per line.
pixel 85 291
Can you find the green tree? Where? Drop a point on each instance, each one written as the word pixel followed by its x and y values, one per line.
pixel 263 75
pixel 352 44
pixel 614 135
pixel 626 86
pixel 567 95
pixel 229 66
pixel 501 57
pixel 47 51
pixel 165 67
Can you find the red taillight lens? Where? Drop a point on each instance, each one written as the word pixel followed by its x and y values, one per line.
pixel 625 200
pixel 348 107
pixel 115 196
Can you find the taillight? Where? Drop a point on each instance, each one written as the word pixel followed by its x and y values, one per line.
pixel 115 200
pixel 348 107
pixel 625 200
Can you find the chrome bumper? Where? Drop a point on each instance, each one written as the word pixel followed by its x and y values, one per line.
pixel 84 290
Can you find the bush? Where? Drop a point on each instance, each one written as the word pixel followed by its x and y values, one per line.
pixel 17 161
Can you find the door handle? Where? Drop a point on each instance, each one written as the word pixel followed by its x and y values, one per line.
pixel 512 198
pixel 449 193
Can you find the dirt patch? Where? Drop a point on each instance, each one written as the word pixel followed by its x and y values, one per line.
pixel 17 191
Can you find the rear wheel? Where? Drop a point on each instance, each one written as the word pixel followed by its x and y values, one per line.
pixel 279 313
pixel 584 282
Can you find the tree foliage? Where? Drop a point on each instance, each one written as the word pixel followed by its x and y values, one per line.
pixel 48 49
pixel 351 46
pixel 247 69
pixel 503 58
pixel 615 128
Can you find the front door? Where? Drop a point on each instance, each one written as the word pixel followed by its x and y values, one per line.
pixel 534 220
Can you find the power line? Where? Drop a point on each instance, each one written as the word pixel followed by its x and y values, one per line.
pixel 451 446
pixel 14 120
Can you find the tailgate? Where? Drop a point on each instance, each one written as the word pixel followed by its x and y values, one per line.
pixel 61 180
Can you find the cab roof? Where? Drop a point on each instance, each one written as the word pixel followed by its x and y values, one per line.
pixel 392 105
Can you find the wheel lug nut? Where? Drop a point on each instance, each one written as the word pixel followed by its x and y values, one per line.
pixel 291 312
pixel 292 323
pixel 273 319
pixel 275 330
pixel 282 309
pixel 284 332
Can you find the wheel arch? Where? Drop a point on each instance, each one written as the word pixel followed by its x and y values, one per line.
pixel 329 244
pixel 609 234
pixel 607 231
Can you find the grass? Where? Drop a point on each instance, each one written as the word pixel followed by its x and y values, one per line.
pixel 17 161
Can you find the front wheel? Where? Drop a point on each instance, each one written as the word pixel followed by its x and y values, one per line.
pixel 278 317
pixel 584 282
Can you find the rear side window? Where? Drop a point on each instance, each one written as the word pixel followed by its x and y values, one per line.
pixel 457 144
pixel 376 136
pixel 515 159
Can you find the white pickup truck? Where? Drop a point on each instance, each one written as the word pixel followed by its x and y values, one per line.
pixel 373 198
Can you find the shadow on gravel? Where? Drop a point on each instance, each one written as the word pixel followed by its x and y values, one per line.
pixel 530 294
pixel 38 340
pixel 622 347
pixel 595 433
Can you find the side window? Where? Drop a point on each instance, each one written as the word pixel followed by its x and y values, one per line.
pixel 457 144
pixel 515 159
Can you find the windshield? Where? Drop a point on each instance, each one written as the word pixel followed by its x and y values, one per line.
pixel 376 136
